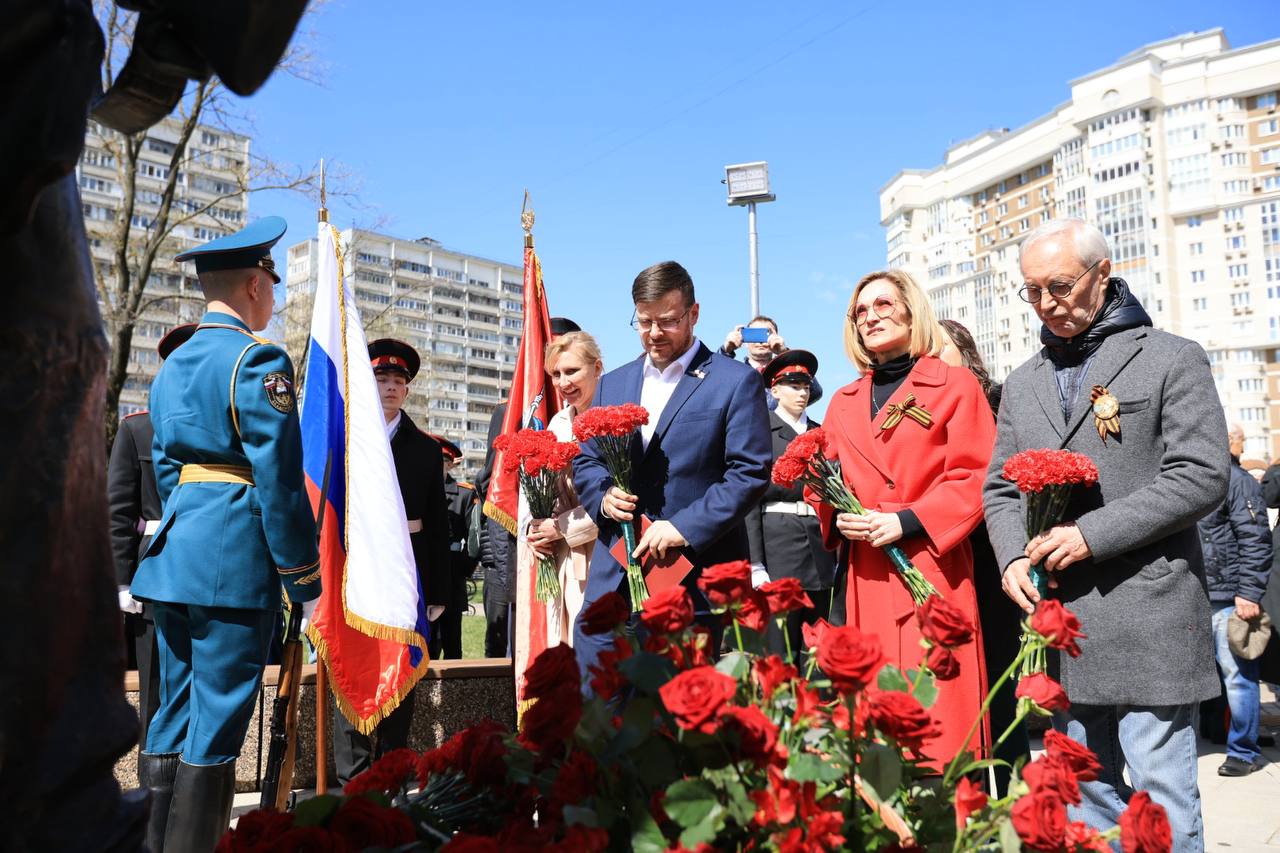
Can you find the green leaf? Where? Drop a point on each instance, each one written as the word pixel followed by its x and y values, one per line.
pixel 580 816
pixel 881 770
pixel 741 807
pixel 891 678
pixel 734 664
pixel 646 837
pixel 807 767
pixel 646 671
pixel 690 802
pixel 927 692
pixel 704 832
pixel 315 811
pixel 1009 840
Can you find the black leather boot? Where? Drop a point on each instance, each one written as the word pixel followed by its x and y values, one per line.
pixel 201 808
pixel 156 773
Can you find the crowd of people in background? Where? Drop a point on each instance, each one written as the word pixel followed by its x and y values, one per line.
pixel 1169 563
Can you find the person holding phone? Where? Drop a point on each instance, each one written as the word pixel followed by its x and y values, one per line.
pixel 764 344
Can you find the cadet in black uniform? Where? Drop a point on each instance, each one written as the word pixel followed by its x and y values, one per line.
pixel 420 470
pixel 133 506
pixel 446 635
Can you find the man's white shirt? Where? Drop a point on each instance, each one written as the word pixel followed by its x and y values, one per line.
pixel 800 426
pixel 657 387
pixel 393 425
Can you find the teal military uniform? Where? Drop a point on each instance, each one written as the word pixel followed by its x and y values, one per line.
pixel 236 525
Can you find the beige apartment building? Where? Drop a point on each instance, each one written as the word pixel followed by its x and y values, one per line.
pixel 207 204
pixel 1174 152
pixel 462 313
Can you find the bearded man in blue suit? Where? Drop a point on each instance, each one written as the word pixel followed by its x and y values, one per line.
pixel 700 463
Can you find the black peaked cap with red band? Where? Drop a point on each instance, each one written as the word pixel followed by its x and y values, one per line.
pixel 447 447
pixel 794 363
pixel 391 354
pixel 174 338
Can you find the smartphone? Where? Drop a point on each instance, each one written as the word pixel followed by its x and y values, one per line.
pixel 755 335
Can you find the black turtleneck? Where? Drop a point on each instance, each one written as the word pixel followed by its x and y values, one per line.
pixel 885 380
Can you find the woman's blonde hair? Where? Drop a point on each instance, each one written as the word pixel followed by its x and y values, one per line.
pixel 583 342
pixel 926 335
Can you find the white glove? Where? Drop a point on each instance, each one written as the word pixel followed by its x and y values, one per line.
pixel 759 575
pixel 434 612
pixel 308 610
pixel 128 603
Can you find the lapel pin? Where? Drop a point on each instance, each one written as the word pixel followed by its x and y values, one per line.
pixel 1106 412
pixel 894 413
pixel 700 374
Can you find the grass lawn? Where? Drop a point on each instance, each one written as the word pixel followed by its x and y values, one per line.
pixel 473 624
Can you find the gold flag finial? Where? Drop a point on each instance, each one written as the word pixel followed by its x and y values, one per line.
pixel 323 214
pixel 526 221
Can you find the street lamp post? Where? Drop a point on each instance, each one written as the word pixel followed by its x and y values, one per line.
pixel 749 184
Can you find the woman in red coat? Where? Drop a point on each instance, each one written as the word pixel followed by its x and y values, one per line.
pixel 922 485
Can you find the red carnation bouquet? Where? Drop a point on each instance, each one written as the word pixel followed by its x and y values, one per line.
pixel 539 458
pixel 806 461
pixel 1046 477
pixel 611 427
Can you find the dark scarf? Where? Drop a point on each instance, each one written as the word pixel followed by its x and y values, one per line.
pixel 887 378
pixel 1121 311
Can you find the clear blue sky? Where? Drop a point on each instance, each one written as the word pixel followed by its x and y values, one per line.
pixel 620 118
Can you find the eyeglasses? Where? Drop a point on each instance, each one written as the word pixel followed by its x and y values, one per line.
pixel 665 325
pixel 883 306
pixel 1058 290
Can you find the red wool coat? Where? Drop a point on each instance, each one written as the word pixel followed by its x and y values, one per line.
pixel 938 473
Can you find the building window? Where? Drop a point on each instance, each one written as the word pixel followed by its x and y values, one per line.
pixel 1235 158
pixel 1265 101
pixel 1231 131
pixel 1200 303
pixel 1196 248
pixel 1235 271
pixel 1002 209
pixel 1268 127
pixel 1233 214
pixel 1197 276
pixel 1240 185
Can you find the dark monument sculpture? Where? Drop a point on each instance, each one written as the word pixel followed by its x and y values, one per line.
pixel 64 719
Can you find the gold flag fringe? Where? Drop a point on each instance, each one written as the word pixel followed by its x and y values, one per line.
pixel 501 516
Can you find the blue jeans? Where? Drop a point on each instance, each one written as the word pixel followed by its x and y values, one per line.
pixel 1241 680
pixel 1158 746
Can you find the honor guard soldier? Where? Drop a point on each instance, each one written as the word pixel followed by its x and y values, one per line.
pixel 461 498
pixel 236 526
pixel 420 470
pixel 133 505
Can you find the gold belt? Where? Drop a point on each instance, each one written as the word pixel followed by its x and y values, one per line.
pixel 237 474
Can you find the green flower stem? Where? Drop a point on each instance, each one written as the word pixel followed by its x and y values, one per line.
pixel 855 842
pixel 737 633
pixel 1017 721
pixel 786 635
pixel 948 777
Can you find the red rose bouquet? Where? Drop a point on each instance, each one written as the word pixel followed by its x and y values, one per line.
pixel 611 427
pixel 1046 478
pixel 806 462
pixel 538 457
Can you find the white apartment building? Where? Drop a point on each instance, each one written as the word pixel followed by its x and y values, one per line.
pixel 1174 152
pixel 206 198
pixel 462 313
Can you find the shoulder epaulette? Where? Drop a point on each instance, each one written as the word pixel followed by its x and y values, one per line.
pixel 463 484
pixel 135 414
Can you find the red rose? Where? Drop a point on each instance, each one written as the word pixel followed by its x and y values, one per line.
pixel 313 839
pixel 1058 625
pixel 824 831
pixel 1079 757
pixel 944 624
pixel 583 839
pixel 577 779
pixel 1043 690
pixel 388 774
pixel 1144 826
pixel 752 611
pixel 477 752
pixel 812 634
pixel 668 612
pixel 1052 773
pixel 725 582
pixel 757 735
pixel 849 657
pixel 901 716
pixel 942 662
pixel 366 824
pixel 550 671
pixel 1041 821
pixel 808 703
pixel 551 720
pixel 606 680
pixel 785 595
pixel 771 673
pixel 605 613
pixel 1082 837
pixel 695 697
pixel 969 798
pixel 256 830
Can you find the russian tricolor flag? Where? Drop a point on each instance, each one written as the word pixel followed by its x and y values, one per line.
pixel 370 626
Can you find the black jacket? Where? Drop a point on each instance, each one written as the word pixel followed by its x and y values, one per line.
pixel 789 546
pixel 132 497
pixel 1237 542
pixel 497 545
pixel 460 498
pixel 420 470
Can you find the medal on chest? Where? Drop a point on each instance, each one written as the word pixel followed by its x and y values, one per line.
pixel 1106 412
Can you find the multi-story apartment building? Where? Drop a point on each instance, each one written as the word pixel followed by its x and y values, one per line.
pixel 462 313
pixel 1174 152
pixel 207 203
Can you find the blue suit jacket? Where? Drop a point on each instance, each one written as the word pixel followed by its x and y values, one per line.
pixel 225 398
pixel 706 466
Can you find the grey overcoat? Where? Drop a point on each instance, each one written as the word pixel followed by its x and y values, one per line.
pixel 1141 598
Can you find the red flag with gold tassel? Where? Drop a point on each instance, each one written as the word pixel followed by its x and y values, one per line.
pixel 532 402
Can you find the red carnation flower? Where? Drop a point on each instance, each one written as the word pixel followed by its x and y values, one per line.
pixel 1042 690
pixel 1058 625
pixel 695 697
pixel 785 595
pixel 1144 826
pixel 609 420
pixel 365 824
pixel 944 624
pixel 1033 470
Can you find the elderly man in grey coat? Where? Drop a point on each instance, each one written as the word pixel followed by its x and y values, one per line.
pixel 1127 559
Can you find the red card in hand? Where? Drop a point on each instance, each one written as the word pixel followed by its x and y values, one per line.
pixel 658 574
